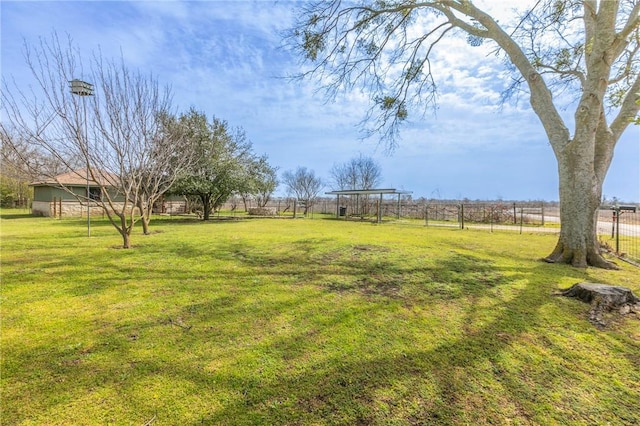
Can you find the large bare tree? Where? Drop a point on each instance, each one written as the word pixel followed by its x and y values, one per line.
pixel 113 132
pixel 586 48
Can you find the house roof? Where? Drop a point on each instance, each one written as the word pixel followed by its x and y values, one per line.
pixel 78 178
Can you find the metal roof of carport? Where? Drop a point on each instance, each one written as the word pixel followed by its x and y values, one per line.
pixel 368 192
pixel 377 191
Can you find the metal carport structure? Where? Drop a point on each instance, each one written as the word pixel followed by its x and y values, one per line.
pixel 359 192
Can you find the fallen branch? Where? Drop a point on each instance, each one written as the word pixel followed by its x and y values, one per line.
pixel 179 323
pixel 150 421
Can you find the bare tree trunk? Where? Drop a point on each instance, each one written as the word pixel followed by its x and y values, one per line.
pixel 145 215
pixel 126 240
pixel 125 230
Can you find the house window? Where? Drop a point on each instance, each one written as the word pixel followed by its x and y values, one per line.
pixel 95 194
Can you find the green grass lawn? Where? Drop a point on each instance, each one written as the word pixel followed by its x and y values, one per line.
pixel 303 322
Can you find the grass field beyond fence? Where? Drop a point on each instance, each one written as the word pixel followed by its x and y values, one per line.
pixel 303 322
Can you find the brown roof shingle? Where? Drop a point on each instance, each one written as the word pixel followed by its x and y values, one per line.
pixel 79 177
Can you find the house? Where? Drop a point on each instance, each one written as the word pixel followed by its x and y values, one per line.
pixel 65 195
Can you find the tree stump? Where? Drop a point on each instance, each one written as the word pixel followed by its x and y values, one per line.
pixel 604 299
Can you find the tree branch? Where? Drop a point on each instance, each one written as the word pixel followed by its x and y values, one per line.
pixel 632 25
pixel 628 109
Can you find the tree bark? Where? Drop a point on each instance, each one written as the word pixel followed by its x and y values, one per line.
pixel 603 299
pixel 126 240
pixel 206 206
pixel 580 189
pixel 125 230
pixel 145 216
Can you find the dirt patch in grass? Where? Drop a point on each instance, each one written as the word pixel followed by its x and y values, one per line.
pixel 372 248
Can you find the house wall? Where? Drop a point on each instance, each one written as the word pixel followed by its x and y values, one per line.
pixel 64 208
pixel 67 208
pixel 51 201
pixel 57 202
pixel 48 193
pixel 41 208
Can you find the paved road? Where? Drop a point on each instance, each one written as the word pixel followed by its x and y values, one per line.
pixel 604 228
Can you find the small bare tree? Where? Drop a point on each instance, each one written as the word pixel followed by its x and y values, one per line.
pixel 167 157
pixel 304 185
pixel 116 134
pixel 361 172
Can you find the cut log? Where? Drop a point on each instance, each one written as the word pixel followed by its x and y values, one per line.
pixel 604 299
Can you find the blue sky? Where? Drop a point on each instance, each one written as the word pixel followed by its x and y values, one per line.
pixel 225 58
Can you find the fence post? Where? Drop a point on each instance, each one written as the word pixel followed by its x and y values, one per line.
pixel 618 232
pixel 461 216
pixel 294 208
pixel 491 220
pixel 515 215
pixel 543 214
pixel 426 215
pixel 521 218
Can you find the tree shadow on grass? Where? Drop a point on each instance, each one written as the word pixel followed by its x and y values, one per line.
pixel 14 215
pixel 372 389
pixel 193 220
pixel 462 377
pixel 350 390
pixel 435 385
pixel 373 270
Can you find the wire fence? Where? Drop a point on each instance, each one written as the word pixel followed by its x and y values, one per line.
pixel 421 212
pixel 619 232
pixel 618 228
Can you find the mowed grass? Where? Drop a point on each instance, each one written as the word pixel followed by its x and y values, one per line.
pixel 303 322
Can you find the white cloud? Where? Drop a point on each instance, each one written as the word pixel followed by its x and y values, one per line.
pixel 224 58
